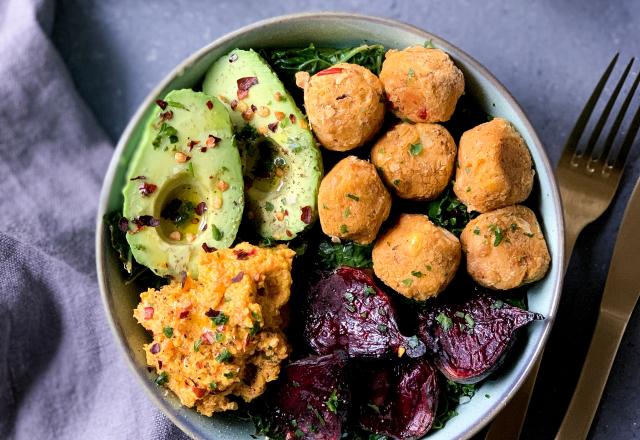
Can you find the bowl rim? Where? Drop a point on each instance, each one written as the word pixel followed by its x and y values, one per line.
pixel 107 184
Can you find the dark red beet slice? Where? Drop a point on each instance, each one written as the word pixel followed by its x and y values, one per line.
pixel 469 340
pixel 310 399
pixel 400 400
pixel 346 311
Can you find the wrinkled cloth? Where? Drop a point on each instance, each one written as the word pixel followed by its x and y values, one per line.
pixel 61 373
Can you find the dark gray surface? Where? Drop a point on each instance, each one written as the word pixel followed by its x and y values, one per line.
pixel 548 53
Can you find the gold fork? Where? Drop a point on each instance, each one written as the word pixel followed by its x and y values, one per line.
pixel 588 180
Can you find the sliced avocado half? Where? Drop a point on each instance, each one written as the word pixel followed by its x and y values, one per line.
pixel 185 190
pixel 282 164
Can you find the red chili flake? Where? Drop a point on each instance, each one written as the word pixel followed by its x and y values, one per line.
pixel 208 249
pixel 147 188
pixel 422 113
pixel 145 220
pixel 162 104
pixel 148 312
pixel 207 338
pixel 199 392
pixel 123 224
pixel 203 149
pixel 241 254
pixel 306 214
pixel 238 277
pixel 292 118
pixel 203 227
pixel 244 84
pixel 212 141
pixel 183 314
pixel 211 313
pixel 166 116
pixel 330 71
pixel 342 97
pixel 286 212
pixel 233 57
pixel 209 104
pixel 155 348
pixel 273 126
pixel 192 144
pixel 288 232
pixel 233 104
pixel 201 208
pixel 138 178
pixel 254 108
pixel 159 364
pixel 183 278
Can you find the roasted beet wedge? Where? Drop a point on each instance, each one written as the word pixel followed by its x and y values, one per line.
pixel 346 311
pixel 310 399
pixel 399 400
pixel 469 340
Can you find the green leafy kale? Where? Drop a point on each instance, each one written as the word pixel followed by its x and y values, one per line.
pixel 332 255
pixel 449 212
pixel 452 395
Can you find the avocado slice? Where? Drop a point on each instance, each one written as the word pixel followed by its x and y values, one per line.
pixel 185 190
pixel 282 164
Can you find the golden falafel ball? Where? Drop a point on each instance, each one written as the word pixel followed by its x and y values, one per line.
pixel 421 84
pixel 494 167
pixel 416 258
pixel 352 201
pixel 416 160
pixel 505 248
pixel 344 104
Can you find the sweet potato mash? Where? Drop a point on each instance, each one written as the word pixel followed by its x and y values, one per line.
pixel 220 335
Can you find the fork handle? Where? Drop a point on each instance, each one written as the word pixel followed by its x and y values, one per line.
pixel 595 372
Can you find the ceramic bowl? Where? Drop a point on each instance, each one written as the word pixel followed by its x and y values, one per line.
pixel 332 30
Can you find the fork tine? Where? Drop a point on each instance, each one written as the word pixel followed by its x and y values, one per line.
pixel 604 116
pixel 572 141
pixel 618 122
pixel 621 157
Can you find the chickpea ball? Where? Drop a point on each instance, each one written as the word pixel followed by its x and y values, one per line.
pixel 494 167
pixel 416 160
pixel 352 201
pixel 422 85
pixel 344 104
pixel 416 258
pixel 505 248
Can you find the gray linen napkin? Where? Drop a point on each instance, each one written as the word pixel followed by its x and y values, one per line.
pixel 61 375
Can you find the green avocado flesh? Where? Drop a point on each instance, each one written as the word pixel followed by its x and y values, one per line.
pixel 282 164
pixel 175 191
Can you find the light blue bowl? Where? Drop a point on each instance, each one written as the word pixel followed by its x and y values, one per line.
pixel 332 30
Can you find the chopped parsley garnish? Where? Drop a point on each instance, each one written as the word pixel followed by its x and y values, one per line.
pixel 369 291
pixel 476 230
pixel 295 384
pixel 449 212
pixel 216 233
pixel 213 386
pixel 375 408
pixel 413 341
pixel 162 378
pixel 255 329
pixel 444 321
pixel 353 197
pixel 220 319
pixel 382 328
pixel 411 73
pixel 332 402
pixel 469 320
pixel 346 213
pixel 344 229
pixel 529 234
pixel 407 282
pixel 224 356
pixel 497 304
pixel 196 345
pixel 415 149
pixel 229 374
pixel 332 255
pixel 168 332
pixel 268 206
pixel 166 131
pixel 190 169
pixel 450 397
pixel 396 182
pixel 429 45
pixel 498 233
pixel 219 337
pixel 349 297
pixel 416 273
pixel 177 105
pixel 179 212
